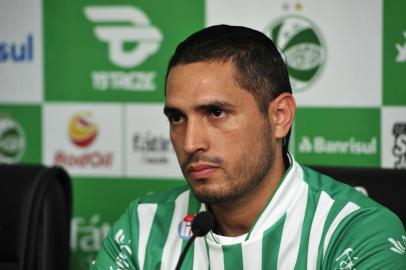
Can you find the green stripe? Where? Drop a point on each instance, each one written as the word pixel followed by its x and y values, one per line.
pixel 312 200
pixel 275 33
pixel 188 262
pixel 305 36
pixel 232 257
pixel 158 235
pixel 193 207
pixel 335 209
pixel 271 241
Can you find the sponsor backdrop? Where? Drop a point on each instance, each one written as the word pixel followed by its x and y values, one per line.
pixel 82 86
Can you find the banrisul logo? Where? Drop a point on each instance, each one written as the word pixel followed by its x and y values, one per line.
pixel 12 141
pixel 17 52
pixel 352 145
pixel 303 45
pixel 122 27
pixel 399 147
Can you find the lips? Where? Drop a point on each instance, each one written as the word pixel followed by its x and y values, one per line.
pixel 201 171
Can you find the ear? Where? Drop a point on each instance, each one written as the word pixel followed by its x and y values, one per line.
pixel 281 112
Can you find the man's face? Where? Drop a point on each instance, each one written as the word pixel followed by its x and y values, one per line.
pixel 222 140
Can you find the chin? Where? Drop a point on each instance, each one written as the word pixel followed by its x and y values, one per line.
pixel 208 196
pixel 211 196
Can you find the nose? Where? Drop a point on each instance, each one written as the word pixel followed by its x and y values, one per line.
pixel 195 137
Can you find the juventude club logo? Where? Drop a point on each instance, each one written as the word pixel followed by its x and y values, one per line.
pixel 399 147
pixel 12 141
pixel 303 45
pixel 135 28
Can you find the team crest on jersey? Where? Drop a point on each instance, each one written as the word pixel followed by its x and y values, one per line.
pixel 185 227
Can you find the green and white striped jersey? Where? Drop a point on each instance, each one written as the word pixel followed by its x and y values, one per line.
pixel 311 222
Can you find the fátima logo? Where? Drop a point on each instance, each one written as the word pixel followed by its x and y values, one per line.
pixel 86 239
pixel 12 141
pixel 303 45
pixel 122 27
pixel 399 147
pixel 401 48
pixel 154 149
pixel 82 131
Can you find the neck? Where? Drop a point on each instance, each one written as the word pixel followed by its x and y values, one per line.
pixel 238 218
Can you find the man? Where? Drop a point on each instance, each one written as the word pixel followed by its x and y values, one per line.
pixel 230 108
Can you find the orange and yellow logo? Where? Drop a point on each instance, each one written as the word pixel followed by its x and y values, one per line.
pixel 82 130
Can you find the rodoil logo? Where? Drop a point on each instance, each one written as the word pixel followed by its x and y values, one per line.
pixel 82 132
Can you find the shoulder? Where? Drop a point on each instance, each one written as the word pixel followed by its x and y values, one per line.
pixel 147 217
pixel 336 190
pixel 148 206
pixel 373 237
pixel 358 231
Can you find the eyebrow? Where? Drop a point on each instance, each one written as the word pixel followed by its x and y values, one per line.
pixel 214 104
pixel 200 107
pixel 170 110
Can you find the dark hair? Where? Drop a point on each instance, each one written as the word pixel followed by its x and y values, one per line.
pixel 260 68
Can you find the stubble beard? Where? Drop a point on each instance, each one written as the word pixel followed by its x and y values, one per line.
pixel 242 182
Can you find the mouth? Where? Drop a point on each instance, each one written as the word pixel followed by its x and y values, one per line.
pixel 201 171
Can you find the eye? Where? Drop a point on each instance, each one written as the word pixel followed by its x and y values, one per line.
pixel 175 118
pixel 217 113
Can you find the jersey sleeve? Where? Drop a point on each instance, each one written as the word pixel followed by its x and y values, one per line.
pixel 117 251
pixel 368 239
